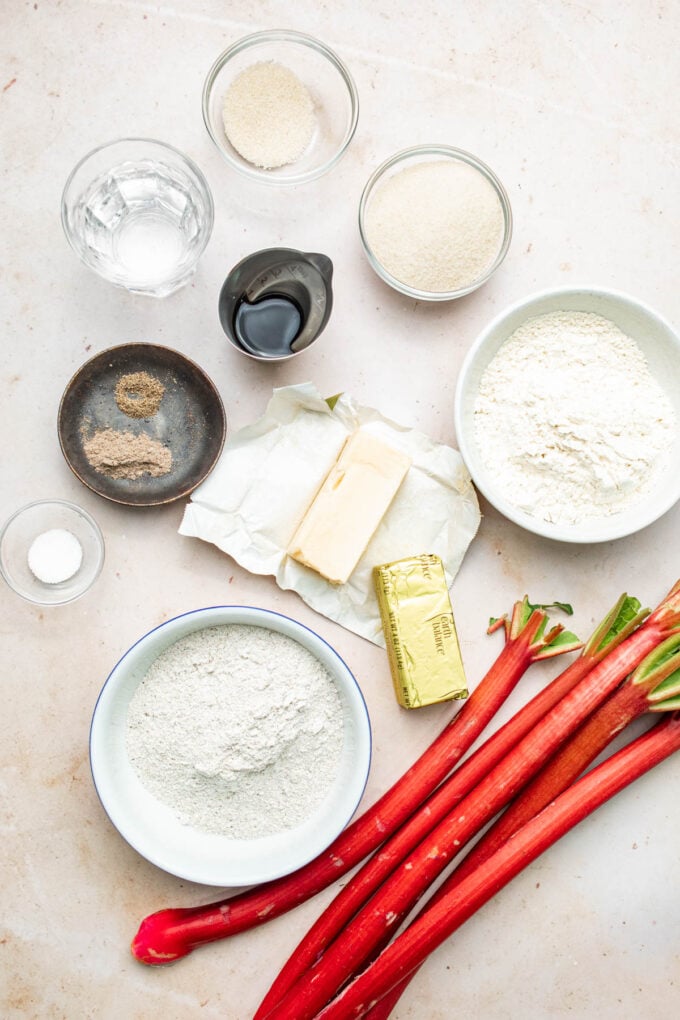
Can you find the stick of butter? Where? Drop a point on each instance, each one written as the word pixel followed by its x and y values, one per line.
pixel 420 631
pixel 349 506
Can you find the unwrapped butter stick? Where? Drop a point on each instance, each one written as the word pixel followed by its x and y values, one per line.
pixel 349 506
pixel 420 632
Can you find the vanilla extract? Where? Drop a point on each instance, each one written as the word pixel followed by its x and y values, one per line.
pixel 268 327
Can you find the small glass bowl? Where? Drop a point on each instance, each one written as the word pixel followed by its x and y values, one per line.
pixel 333 92
pixel 139 213
pixel 19 533
pixel 427 154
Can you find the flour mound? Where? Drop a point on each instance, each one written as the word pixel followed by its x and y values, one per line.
pixel 238 730
pixel 569 420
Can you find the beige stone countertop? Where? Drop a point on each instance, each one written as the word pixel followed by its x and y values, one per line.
pixel 573 105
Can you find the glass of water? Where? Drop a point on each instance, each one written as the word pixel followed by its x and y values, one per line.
pixel 139 213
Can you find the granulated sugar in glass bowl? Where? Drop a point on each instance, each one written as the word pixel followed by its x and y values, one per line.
pixel 280 106
pixel 435 222
pixel 268 115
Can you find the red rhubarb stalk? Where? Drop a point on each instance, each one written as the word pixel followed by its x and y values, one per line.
pixel 653 687
pixel 374 924
pixel 173 933
pixel 424 935
pixel 622 619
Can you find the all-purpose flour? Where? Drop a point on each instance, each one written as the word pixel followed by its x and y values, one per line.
pixel 569 420
pixel 238 730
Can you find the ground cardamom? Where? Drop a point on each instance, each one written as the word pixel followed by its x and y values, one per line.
pixel 126 455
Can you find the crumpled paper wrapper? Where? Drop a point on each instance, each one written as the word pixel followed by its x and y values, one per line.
pixel 269 473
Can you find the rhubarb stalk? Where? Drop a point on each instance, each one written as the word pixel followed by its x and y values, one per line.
pixel 619 623
pixel 423 936
pixel 653 687
pixel 173 933
pixel 381 916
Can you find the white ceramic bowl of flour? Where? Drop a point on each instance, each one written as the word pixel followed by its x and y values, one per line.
pixel 618 495
pixel 155 830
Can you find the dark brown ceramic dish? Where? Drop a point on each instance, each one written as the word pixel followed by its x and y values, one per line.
pixel 190 421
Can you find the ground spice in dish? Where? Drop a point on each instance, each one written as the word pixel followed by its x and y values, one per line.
pixel 126 455
pixel 268 115
pixel 139 394
pixel 436 226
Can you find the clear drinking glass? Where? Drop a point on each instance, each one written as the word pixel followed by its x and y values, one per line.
pixel 139 213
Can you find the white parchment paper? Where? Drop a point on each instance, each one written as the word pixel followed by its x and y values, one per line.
pixel 269 473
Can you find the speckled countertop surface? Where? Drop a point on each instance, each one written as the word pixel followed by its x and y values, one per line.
pixel 573 106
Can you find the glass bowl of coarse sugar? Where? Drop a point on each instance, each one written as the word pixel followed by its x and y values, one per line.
pixel 567 414
pixel 230 745
pixel 280 106
pixel 435 222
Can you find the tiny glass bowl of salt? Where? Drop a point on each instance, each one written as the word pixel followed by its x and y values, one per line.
pixel 567 414
pixel 435 222
pixel 139 213
pixel 230 745
pixel 281 107
pixel 51 552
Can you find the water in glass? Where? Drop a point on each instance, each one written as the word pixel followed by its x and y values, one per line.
pixel 141 223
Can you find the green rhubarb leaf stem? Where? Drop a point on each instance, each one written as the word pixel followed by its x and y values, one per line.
pixel 659 675
pixel 667 615
pixel 622 619
pixel 543 645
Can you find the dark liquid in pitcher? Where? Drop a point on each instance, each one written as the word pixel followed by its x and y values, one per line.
pixel 267 327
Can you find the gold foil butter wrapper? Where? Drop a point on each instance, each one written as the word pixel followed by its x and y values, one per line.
pixel 422 643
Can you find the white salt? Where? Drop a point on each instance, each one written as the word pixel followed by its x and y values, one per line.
pixel 55 556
